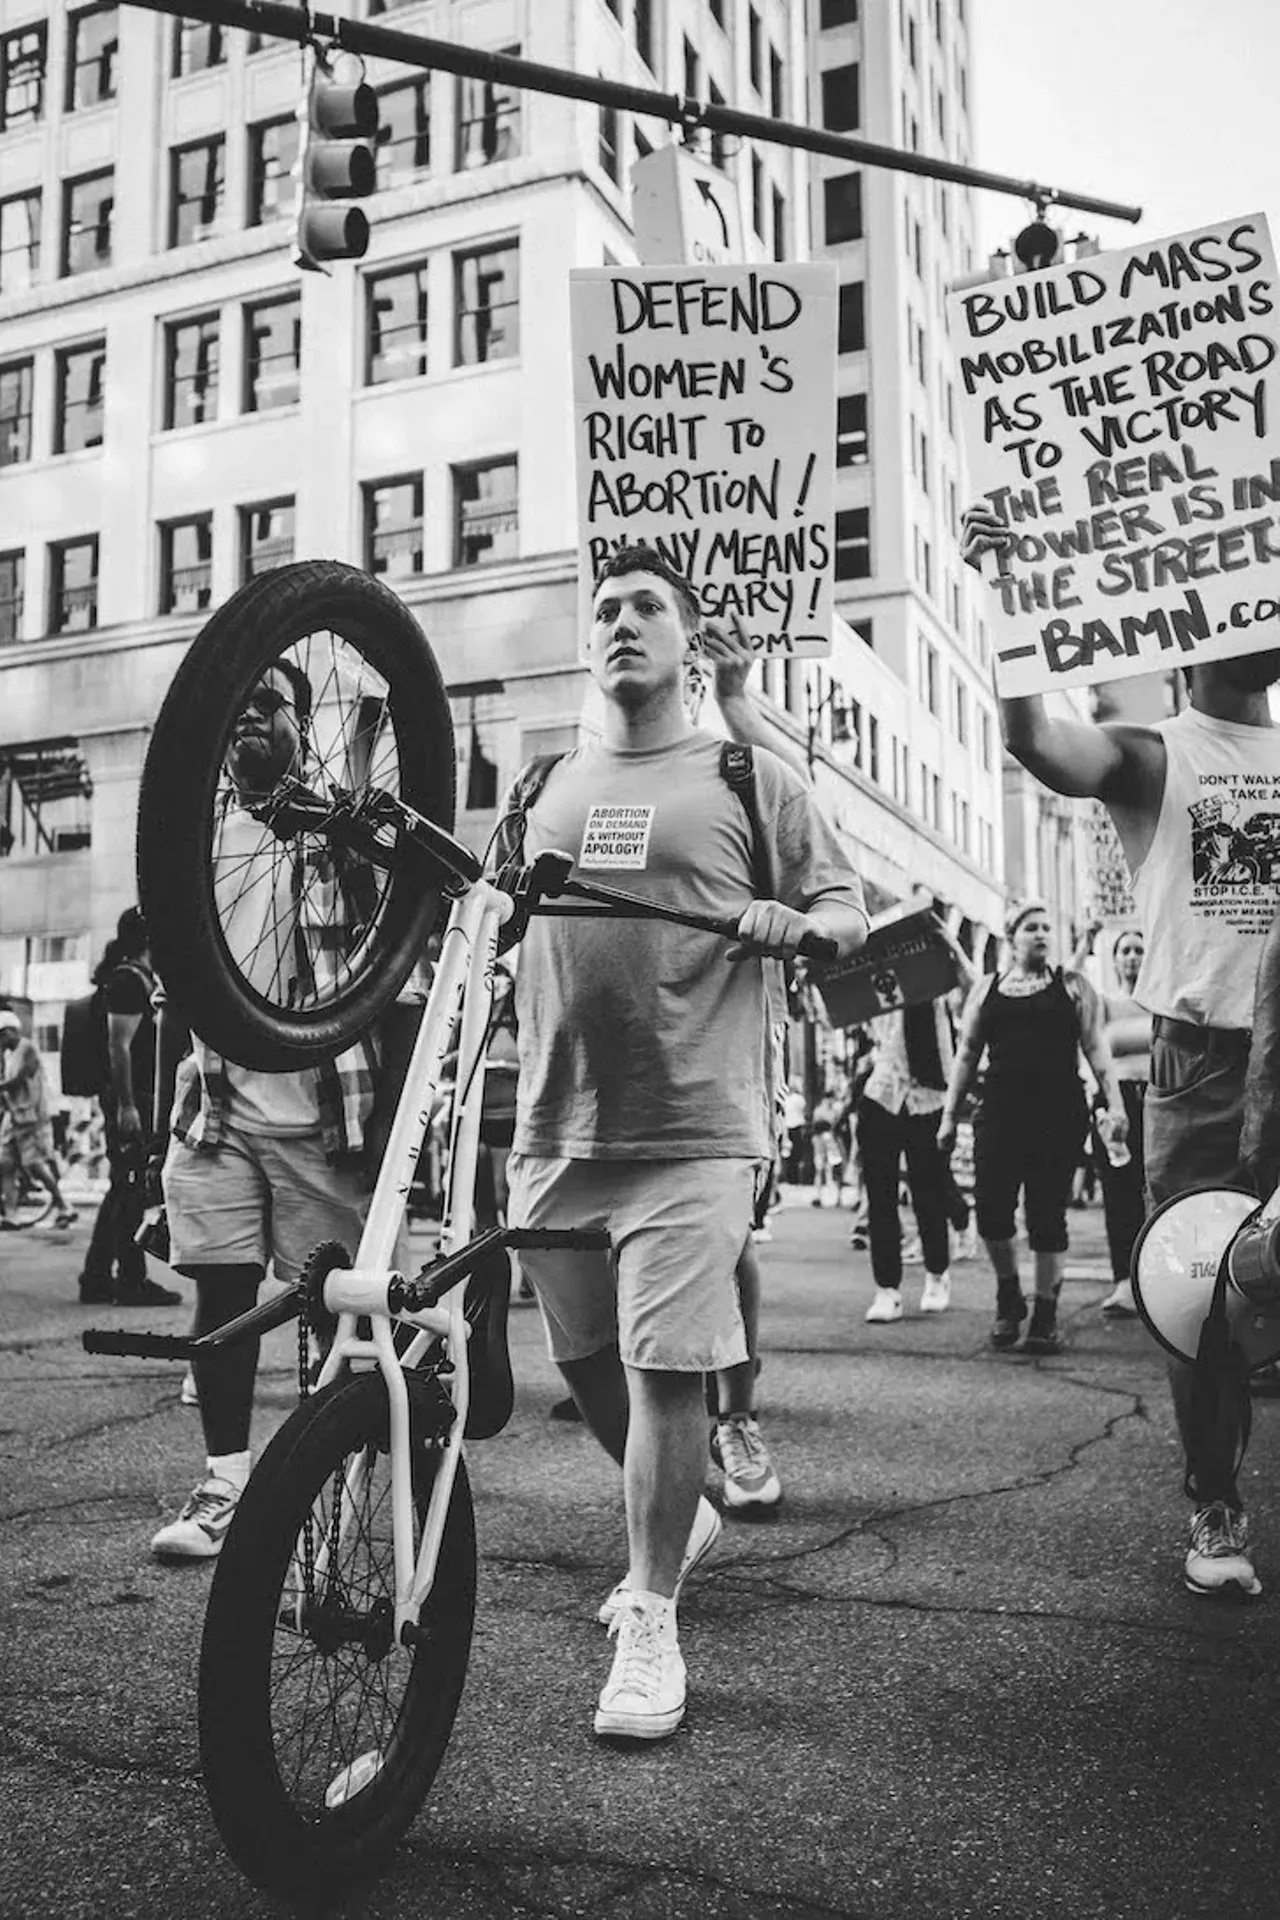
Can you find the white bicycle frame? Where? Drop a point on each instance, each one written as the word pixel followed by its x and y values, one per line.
pixel 461 997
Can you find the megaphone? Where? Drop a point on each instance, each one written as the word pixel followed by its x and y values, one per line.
pixel 1178 1256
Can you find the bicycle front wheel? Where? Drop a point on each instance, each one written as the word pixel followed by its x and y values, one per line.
pixel 285 903
pixel 319 1735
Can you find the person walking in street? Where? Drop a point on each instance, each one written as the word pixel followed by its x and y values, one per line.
pixel 1171 790
pixel 643 1103
pixel 260 1166
pixel 115 1266
pixel 27 1146
pixel 1127 1026
pixel 898 1118
pixel 1032 1022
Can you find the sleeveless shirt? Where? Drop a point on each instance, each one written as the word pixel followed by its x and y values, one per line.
pixel 1210 883
pixel 1032 1042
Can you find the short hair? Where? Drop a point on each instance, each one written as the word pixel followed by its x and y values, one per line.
pixel 300 683
pixel 642 559
pixel 131 932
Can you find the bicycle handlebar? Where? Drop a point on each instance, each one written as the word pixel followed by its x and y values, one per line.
pixel 814 946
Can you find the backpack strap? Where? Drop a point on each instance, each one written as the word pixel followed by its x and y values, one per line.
pixel 738 771
pixel 508 838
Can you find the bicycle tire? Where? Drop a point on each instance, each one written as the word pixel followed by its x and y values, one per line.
pixel 278 1829
pixel 272 618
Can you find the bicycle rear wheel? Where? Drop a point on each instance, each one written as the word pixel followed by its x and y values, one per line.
pixel 285 910
pixel 320 1741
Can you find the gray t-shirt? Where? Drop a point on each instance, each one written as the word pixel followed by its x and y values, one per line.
pixel 638 1041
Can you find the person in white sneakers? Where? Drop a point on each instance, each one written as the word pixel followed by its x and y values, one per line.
pixel 643 1099
pixel 898 1119
pixel 259 1166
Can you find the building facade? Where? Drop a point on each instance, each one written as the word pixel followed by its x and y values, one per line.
pixel 181 408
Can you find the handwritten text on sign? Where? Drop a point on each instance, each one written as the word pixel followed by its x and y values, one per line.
pixel 1121 415
pixel 704 403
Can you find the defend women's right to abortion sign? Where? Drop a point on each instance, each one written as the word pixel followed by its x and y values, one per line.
pixel 1122 415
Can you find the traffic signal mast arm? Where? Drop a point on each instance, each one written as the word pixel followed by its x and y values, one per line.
pixel 368 39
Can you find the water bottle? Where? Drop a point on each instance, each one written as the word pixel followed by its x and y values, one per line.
pixel 1117 1150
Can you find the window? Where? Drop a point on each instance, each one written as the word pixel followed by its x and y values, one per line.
pixel 273 354
pixel 13 568
pixel 757 194
pixel 840 112
pixel 643 28
pixel 22 65
pixel 928 673
pixel 927 555
pixel 608 142
pixel 852 333
pixel 73 585
pixel 19 242
pixel 87 208
pixel 776 88
pixel 643 147
pixel 486 305
pixel 873 747
pixel 197 44
pixel 851 430
pixel 404 133
pixel 273 148
pixel 45 791
pixel 960 710
pixel 863 630
pixel 717 12
pixel 779 224
pixel 195 190
pixel 692 70
pixel 486 515
pixel 755 50
pixel 77 419
pixel 186 564
pixel 266 537
pixel 853 543
pixel 15 412
pixel 842 207
pixel 191 371
pixel 397 325
pixel 393 527
pixel 984 738
pixel 839 13
pixel 924 460
pixel 488 121
pixel 719 152
pixel 93 41
pixel 912 48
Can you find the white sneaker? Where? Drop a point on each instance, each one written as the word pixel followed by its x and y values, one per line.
pixel 1120 1303
pixel 936 1297
pixel 887 1305
pixel 703 1534
pixel 643 1698
pixel 190 1395
pixel 1218 1557
pixel 750 1478
pixel 201 1527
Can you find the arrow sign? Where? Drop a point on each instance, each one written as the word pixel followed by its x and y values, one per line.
pixel 708 193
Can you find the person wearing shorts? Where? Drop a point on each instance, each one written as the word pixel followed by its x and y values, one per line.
pixel 644 1103
pixel 260 1167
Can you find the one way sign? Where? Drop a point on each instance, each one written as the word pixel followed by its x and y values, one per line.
pixel 686 212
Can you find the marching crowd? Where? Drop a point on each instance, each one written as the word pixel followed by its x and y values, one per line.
pixel 642 1085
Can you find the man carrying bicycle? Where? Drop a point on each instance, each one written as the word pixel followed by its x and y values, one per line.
pixel 644 1103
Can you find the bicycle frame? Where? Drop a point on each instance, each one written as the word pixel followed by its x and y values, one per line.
pixel 461 996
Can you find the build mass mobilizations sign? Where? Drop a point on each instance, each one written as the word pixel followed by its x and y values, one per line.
pixel 1121 415
pixel 704 402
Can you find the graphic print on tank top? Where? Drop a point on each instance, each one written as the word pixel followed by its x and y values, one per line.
pixel 1235 849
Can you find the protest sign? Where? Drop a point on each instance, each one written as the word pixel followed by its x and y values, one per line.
pixel 704 403
pixel 1120 415
pixel 906 960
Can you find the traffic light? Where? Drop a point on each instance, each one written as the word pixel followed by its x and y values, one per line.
pixel 336 165
pixel 1037 246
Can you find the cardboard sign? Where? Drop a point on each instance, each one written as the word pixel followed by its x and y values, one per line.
pixel 1121 416
pixel 705 405
pixel 905 961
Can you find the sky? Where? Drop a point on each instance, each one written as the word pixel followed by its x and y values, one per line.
pixel 1169 105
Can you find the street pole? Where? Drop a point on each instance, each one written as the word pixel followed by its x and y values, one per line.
pixel 365 38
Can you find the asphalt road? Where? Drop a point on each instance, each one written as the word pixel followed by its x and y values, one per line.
pixel 958 1676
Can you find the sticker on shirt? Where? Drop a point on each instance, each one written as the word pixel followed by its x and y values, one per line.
pixel 617 837
pixel 1235 850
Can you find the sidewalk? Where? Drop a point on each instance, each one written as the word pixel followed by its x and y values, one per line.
pixel 958 1678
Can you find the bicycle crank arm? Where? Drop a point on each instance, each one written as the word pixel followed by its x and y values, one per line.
pixel 176 1346
pixel 139 1346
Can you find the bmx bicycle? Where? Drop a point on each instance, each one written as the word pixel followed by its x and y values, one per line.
pixel 287 907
